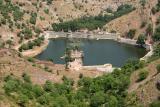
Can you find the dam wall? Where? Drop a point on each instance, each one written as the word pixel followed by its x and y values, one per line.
pixel 81 35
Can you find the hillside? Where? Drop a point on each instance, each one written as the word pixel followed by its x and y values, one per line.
pixel 27 72
pixel 29 82
pixel 138 20
pixel 12 62
pixel 26 19
pixel 145 91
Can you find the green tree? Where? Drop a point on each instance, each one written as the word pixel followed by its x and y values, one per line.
pixel 142 75
pixel 38 91
pixel 22 100
pixel 61 101
pixel 97 99
pixel 113 102
pixel 11 86
pixel 141 40
pixel 17 14
pixel 48 86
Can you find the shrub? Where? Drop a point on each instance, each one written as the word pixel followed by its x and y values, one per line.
pixel 97 99
pixel 156 51
pixel 26 78
pixel 30 59
pixel 158 21
pixel 46 11
pixel 141 40
pixel 31 44
pixel 156 36
pixel 131 33
pixel 142 75
pixel 143 24
pixel 154 11
pixel 23 47
pixel 149 29
pixel 27 33
pixel 33 18
pixel 109 10
pixel 49 2
pixel 11 85
pixel 22 100
pixel 17 15
pixel 48 86
pixel 155 104
pixel 158 85
pixel 158 68
pixel 143 2
pixel 80 75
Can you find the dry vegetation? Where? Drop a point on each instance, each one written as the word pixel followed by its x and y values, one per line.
pixel 145 91
pixel 134 20
pixel 40 71
pixel 53 11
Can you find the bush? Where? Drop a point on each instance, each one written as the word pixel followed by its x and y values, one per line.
pixel 97 99
pixel 31 44
pixel 149 29
pixel 142 75
pixel 49 2
pixel 33 18
pixel 156 36
pixel 27 33
pixel 22 100
pixel 26 78
pixel 158 21
pixel 143 2
pixel 30 59
pixel 154 11
pixel 17 15
pixel 158 85
pixel 80 75
pixel 155 104
pixel 131 33
pixel 156 51
pixel 158 68
pixel 143 24
pixel 46 11
pixel 141 40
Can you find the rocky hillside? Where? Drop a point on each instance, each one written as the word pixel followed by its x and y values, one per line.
pixel 138 20
pixel 25 19
pixel 144 92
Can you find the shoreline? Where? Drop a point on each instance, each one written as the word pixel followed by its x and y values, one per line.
pixel 37 50
pixel 108 36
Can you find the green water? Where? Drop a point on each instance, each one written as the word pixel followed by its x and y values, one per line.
pixel 96 52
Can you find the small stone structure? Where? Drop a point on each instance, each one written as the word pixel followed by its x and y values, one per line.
pixel 77 60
